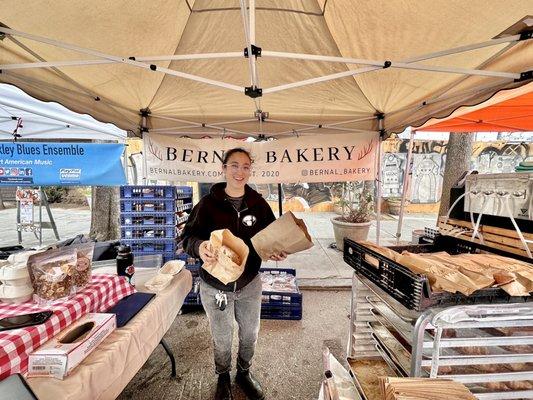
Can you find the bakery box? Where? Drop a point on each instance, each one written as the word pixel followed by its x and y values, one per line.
pixel 61 354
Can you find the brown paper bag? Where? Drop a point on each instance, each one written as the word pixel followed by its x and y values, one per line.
pixel 287 233
pixel 225 270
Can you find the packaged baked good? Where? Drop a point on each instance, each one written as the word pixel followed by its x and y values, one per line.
pixel 231 254
pixel 227 255
pixel 52 274
pixel 84 257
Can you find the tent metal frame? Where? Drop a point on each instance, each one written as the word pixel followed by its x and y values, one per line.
pixel 248 18
pixel 255 92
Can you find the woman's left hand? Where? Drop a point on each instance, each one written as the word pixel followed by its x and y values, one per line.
pixel 278 256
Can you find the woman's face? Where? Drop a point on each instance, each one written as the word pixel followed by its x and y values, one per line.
pixel 237 170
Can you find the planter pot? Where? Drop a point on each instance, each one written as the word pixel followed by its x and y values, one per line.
pixel 350 230
pixel 395 206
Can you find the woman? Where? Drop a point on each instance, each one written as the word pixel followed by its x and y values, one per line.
pixel 235 206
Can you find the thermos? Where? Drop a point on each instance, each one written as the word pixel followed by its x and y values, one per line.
pixel 125 265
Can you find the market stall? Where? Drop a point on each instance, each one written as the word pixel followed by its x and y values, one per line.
pixel 310 71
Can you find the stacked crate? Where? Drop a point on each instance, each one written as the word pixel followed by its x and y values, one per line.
pixel 152 217
pixel 193 265
pixel 281 305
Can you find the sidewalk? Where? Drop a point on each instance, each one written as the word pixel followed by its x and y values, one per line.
pixel 318 267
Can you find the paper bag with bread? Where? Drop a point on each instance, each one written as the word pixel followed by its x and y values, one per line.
pixel 287 234
pixel 231 253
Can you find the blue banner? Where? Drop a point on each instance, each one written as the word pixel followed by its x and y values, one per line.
pixel 61 164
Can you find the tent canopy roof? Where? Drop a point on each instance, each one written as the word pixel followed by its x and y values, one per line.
pixel 506 111
pixel 113 88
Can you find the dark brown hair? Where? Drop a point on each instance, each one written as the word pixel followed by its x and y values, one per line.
pixel 230 152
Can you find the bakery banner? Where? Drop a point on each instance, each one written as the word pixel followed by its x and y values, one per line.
pixel 319 158
pixel 62 164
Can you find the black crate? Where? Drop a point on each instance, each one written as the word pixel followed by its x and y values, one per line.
pixel 413 290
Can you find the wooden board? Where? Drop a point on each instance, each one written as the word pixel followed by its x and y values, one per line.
pixel 492 236
pixel 487 228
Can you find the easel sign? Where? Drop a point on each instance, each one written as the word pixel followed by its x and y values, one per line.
pixel 27 198
pixel 27 201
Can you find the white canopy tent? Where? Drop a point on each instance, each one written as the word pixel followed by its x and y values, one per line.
pixel 319 66
pixel 265 67
pixel 23 117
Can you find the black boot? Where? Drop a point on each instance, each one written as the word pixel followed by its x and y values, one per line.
pixel 249 385
pixel 224 387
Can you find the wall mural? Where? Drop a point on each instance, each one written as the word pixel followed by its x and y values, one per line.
pixel 427 168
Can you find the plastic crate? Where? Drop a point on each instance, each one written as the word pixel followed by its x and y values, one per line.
pixel 182 220
pixel 192 299
pixel 183 192
pixel 191 263
pixel 412 290
pixel 165 255
pixel 148 232
pixel 148 205
pixel 183 207
pixel 281 298
pixel 281 312
pixel 151 219
pixel 151 246
pixel 148 192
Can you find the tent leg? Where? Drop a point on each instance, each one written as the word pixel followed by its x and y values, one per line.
pixel 280 199
pixel 125 156
pixel 378 192
pixel 405 187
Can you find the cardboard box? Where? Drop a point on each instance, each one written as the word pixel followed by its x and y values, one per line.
pixel 61 354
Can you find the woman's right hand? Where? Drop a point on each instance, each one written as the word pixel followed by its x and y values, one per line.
pixel 206 254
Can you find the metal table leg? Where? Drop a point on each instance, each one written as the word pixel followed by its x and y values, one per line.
pixel 170 355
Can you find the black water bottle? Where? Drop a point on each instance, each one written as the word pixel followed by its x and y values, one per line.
pixel 125 265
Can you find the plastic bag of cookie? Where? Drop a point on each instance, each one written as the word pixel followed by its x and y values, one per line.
pixel 52 274
pixel 84 257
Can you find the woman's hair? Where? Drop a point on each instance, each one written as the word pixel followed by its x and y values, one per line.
pixel 230 152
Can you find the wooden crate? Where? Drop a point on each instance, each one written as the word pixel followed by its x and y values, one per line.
pixel 504 239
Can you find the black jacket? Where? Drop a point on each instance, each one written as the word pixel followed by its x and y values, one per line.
pixel 215 212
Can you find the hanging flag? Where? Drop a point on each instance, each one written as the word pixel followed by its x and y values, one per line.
pixel 62 164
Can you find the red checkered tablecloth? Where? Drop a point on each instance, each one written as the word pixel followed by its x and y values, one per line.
pixel 102 293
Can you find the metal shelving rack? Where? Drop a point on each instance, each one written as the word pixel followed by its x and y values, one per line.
pixel 482 346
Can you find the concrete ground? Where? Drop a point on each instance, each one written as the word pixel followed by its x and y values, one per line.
pixel 288 360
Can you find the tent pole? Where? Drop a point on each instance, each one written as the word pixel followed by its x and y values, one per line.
pixel 200 124
pixel 80 63
pixel 265 53
pixel 292 131
pixel 127 61
pixel 404 65
pixel 280 200
pixel 405 186
pixel 125 155
pixel 379 188
pixel 247 20
pixel 346 60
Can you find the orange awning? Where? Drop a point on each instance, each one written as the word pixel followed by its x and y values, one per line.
pixel 507 111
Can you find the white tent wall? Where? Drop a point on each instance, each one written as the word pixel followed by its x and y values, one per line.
pixel 372 33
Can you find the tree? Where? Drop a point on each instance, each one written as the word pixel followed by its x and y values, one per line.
pixel 105 213
pixel 458 156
